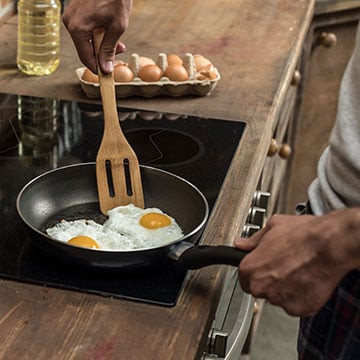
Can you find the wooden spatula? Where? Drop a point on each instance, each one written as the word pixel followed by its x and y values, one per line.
pixel 117 167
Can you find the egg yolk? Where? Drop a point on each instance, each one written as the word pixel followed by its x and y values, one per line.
pixel 154 220
pixel 84 241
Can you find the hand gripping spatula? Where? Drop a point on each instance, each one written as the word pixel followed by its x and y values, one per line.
pixel 117 167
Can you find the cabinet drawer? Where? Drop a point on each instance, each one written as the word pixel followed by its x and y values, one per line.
pixel 273 177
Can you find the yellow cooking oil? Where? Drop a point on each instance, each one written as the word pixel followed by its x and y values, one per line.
pixel 38 41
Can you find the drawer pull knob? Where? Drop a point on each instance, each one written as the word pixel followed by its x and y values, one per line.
pixel 285 151
pixel 296 78
pixel 256 307
pixel 273 148
pixel 327 39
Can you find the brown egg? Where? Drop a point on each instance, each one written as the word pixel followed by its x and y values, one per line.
pixel 144 61
pixel 122 73
pixel 207 72
pixel 176 72
pixel 150 73
pixel 89 76
pixel 174 59
pixel 200 62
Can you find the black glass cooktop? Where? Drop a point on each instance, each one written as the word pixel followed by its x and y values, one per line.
pixel 39 134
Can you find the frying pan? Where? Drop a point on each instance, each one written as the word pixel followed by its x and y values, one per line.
pixel 70 193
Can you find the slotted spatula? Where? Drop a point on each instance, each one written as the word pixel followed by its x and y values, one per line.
pixel 117 167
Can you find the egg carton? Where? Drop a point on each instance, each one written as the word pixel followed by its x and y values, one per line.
pixel 165 86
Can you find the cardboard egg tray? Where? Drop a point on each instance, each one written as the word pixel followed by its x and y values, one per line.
pixel 138 87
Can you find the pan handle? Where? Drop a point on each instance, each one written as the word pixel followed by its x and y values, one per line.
pixel 195 257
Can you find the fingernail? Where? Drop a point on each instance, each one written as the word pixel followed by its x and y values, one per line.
pixel 109 66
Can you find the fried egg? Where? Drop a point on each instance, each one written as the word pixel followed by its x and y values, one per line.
pixel 127 228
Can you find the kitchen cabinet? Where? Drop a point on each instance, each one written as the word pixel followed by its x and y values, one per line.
pixel 275 173
pixel 328 48
pixel 276 169
pixel 309 110
pixel 257 54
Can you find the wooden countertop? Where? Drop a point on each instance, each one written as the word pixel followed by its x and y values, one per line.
pixel 255 45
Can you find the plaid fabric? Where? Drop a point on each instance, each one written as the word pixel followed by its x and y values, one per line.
pixel 334 332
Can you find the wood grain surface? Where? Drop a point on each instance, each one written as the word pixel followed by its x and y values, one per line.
pixel 256 46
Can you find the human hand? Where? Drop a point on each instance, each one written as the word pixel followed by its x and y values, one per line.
pixel 296 261
pixel 81 17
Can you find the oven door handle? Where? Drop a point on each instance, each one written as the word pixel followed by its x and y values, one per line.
pixel 227 336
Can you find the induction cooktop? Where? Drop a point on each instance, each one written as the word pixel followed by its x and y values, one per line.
pixel 39 134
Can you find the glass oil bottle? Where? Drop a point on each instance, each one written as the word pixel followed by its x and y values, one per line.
pixel 38 47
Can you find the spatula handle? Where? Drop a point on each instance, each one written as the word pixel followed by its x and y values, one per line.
pixel 107 90
pixel 117 167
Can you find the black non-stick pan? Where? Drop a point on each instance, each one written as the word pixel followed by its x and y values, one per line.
pixel 70 193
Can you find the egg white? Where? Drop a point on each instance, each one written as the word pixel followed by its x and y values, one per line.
pixel 121 231
pixel 126 220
